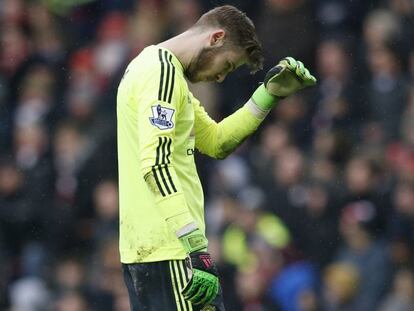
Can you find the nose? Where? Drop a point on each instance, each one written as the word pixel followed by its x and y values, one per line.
pixel 220 77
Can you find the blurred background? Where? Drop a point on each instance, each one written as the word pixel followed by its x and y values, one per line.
pixel 315 212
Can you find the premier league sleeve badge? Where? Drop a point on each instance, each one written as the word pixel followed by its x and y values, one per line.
pixel 162 117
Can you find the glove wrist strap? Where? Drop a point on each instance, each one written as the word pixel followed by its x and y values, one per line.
pixel 194 241
pixel 263 99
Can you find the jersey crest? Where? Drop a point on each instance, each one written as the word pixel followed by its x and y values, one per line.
pixel 162 117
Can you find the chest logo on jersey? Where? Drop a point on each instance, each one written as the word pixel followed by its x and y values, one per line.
pixel 162 117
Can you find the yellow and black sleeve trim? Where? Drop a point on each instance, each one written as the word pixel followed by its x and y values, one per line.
pixel 165 90
pixel 160 170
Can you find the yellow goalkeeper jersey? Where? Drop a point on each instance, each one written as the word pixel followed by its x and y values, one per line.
pixel 160 123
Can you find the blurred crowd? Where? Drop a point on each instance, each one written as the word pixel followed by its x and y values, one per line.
pixel 315 212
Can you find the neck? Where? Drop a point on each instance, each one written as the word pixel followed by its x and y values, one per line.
pixel 185 46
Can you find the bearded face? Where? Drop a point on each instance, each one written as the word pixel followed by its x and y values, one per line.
pixel 196 72
pixel 213 64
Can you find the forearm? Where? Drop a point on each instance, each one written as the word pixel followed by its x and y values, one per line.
pixel 169 197
pixel 174 210
pixel 282 80
pixel 233 130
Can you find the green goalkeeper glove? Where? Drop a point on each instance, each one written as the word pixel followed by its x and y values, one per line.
pixel 203 286
pixel 284 79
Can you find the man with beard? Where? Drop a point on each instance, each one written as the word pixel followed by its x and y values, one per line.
pixel 160 123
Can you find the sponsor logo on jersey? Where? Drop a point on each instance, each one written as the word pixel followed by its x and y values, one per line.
pixel 162 117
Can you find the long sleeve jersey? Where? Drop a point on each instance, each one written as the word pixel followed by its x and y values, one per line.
pixel 160 124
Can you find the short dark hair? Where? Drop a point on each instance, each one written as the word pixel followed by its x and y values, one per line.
pixel 240 32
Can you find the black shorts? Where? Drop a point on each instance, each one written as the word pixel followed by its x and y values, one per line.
pixel 156 286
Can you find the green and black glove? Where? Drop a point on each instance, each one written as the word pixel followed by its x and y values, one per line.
pixel 203 286
pixel 284 79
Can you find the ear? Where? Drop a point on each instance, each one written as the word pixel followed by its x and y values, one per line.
pixel 217 37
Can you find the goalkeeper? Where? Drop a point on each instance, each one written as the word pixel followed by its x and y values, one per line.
pixel 163 247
